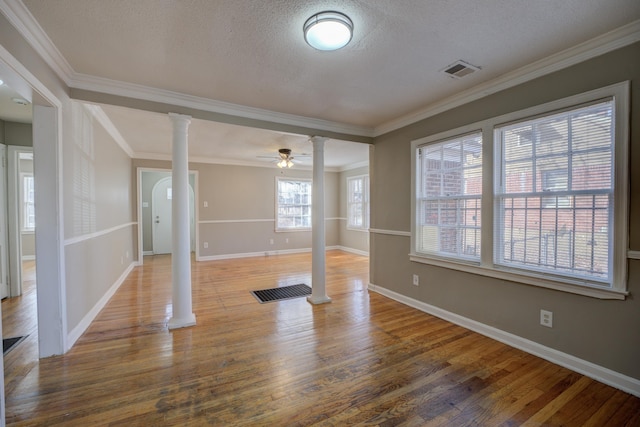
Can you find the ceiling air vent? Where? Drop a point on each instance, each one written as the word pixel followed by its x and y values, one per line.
pixel 460 69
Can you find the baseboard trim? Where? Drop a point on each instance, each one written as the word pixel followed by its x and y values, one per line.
pixel 147 253
pixel 253 254
pixel 274 253
pixel 351 250
pixel 28 257
pixel 598 373
pixel 84 324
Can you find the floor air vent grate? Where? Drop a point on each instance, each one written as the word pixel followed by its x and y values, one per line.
pixel 279 294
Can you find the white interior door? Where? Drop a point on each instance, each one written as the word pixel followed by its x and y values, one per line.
pixel 161 216
pixel 161 197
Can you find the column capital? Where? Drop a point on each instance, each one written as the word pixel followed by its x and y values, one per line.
pixel 175 117
pixel 318 139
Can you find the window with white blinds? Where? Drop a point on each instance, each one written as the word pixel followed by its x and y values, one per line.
pixel 449 194
pixel 293 204
pixel 358 202
pixel 555 193
pixel 537 196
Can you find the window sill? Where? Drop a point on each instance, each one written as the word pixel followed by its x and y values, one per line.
pixel 574 287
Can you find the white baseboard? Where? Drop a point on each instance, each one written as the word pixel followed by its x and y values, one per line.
pixel 253 254
pixel 146 253
pixel 351 250
pixel 273 253
pixel 77 332
pixel 599 373
pixel 28 257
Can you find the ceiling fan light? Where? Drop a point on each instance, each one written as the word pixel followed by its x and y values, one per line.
pixel 328 30
pixel 282 163
pixel 289 163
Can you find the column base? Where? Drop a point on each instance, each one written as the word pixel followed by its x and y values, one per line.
pixel 182 323
pixel 318 300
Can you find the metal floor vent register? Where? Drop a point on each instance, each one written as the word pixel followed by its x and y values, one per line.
pixel 9 343
pixel 279 294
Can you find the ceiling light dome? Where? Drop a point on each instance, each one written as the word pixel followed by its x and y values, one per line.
pixel 328 30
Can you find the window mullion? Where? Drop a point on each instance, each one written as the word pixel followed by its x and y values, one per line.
pixel 488 199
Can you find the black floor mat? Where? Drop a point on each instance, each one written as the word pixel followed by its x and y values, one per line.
pixel 285 292
pixel 9 343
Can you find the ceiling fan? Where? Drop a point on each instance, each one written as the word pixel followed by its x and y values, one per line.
pixel 284 158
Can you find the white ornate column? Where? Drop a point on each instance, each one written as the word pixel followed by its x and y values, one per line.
pixel 180 233
pixel 318 286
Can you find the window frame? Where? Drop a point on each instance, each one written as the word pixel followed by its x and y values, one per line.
pixel 461 197
pixel 24 203
pixel 364 203
pixel 618 288
pixel 280 229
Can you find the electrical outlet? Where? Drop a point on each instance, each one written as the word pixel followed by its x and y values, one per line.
pixel 416 280
pixel 286 240
pixel 546 318
pixel 205 204
pixel 206 245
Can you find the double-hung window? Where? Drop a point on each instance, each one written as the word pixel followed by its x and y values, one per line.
pixel 559 223
pixel 543 193
pixel 449 192
pixel 293 204
pixel 358 202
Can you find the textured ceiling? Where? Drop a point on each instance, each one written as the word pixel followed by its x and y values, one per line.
pixel 251 53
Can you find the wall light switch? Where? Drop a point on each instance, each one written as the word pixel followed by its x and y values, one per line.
pixel 205 204
pixel 145 204
pixel 206 245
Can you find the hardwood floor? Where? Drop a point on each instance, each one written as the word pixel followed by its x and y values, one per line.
pixel 361 360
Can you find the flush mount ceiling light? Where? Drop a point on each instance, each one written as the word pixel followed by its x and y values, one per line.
pixel 328 30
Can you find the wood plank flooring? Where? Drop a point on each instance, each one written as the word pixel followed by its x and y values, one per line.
pixel 361 360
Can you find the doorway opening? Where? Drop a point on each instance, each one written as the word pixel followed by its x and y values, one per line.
pixel 154 211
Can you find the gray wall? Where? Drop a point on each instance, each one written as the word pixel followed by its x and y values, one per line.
pixel 352 239
pixel 604 332
pixel 240 215
pixel 18 134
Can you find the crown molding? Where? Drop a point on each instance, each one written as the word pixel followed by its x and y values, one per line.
pixel 130 90
pixel 98 113
pixel 597 46
pixel 22 19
